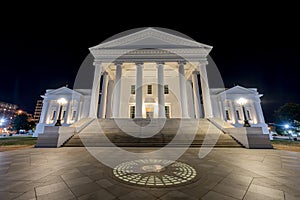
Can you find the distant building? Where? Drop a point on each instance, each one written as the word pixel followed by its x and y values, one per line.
pixel 38 110
pixel 7 113
pixel 7 110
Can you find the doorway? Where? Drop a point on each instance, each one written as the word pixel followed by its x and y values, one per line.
pixel 149 112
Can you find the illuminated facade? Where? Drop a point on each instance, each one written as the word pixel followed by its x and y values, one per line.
pixel 156 75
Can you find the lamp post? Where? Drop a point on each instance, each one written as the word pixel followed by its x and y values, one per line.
pixel 242 102
pixel 61 102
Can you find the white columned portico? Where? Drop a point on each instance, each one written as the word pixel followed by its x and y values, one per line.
pixel 103 100
pixel 95 92
pixel 160 90
pixel 139 91
pixel 182 86
pixel 117 91
pixel 197 102
pixel 208 113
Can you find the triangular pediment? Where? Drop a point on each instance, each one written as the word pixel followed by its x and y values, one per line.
pixel 150 38
pixel 240 90
pixel 63 91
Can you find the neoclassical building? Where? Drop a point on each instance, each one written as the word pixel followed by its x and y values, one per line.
pixel 151 73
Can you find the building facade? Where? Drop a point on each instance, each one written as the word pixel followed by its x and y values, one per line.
pixel 150 73
pixel 38 110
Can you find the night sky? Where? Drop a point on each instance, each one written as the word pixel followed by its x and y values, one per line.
pixel 254 47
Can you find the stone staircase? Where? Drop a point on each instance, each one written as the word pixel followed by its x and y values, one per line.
pixel 151 133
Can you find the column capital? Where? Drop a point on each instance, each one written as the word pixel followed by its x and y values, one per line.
pixel 139 63
pixel 181 62
pixel 196 72
pixel 160 63
pixel 118 63
pixel 104 73
pixel 203 63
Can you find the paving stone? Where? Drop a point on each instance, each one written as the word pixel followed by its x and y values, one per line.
pixel 64 194
pixel 104 183
pixel 83 189
pixel 216 196
pixel 72 173
pixel 138 194
pixel 50 188
pixel 9 195
pixel 176 195
pixel 261 192
pixel 100 194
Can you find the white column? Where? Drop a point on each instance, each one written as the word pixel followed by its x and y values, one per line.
pixel 197 102
pixel 95 92
pixel 103 101
pixel 236 120
pixel 160 90
pixel 205 92
pixel 110 88
pixel 78 111
pixel 259 112
pixel 45 107
pixel 117 91
pixel 182 86
pixel 223 109
pixel 139 91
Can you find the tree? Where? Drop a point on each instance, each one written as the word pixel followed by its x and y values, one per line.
pixel 288 113
pixel 31 125
pixel 20 122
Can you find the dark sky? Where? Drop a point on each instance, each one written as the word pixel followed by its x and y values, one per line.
pixel 253 46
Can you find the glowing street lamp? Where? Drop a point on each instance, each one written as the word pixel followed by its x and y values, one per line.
pixel 286 126
pixel 61 102
pixel 242 102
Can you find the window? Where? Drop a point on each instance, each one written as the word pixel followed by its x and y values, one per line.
pixel 248 114
pixel 53 115
pixel 227 114
pixel 132 89
pixel 64 114
pixel 149 89
pixel 132 111
pixel 238 115
pixel 166 89
pixel 167 111
pixel 73 114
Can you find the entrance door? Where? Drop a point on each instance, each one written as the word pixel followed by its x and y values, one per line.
pixel 149 112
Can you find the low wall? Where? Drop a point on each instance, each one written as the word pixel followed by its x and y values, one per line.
pixel 250 137
pixel 56 136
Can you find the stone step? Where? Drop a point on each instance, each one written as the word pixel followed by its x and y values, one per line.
pixel 206 134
